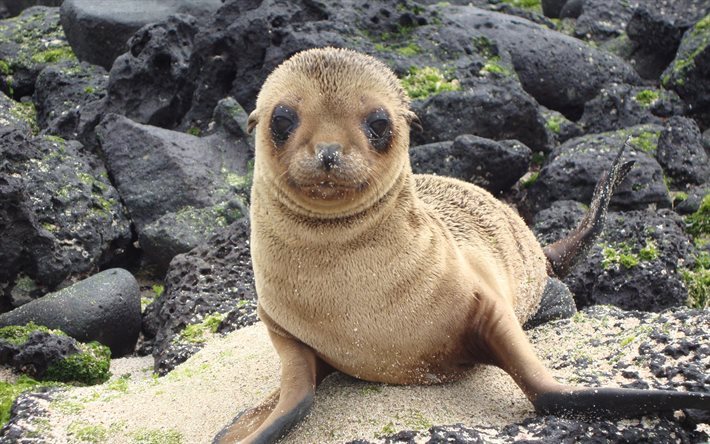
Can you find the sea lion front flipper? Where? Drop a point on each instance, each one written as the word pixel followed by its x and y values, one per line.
pixel 500 335
pixel 564 253
pixel 301 371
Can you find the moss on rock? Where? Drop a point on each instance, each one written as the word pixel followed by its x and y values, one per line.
pixel 421 83
pixel 89 366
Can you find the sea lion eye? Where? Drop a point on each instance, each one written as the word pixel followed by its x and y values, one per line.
pixel 377 128
pixel 284 121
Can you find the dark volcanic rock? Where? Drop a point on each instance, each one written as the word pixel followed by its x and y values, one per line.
pixel 98 31
pixel 559 71
pixel 573 169
pixel 27 44
pixel 689 72
pixel 656 28
pixel 489 109
pixel 603 19
pixel 144 83
pixel 558 220
pixel 35 355
pixel 681 153
pixel 495 166
pixel 180 232
pixel 16 115
pixel 14 7
pixel 552 8
pixel 635 263
pixel 60 217
pixel 159 171
pixel 213 280
pixel 103 308
pixel 29 407
pixel 66 98
pixel 622 106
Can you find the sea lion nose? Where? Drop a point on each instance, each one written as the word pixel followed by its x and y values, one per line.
pixel 328 154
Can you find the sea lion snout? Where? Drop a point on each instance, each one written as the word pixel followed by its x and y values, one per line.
pixel 329 154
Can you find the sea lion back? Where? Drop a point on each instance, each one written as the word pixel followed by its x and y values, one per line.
pixel 490 234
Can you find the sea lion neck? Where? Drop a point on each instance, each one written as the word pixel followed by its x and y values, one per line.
pixel 310 228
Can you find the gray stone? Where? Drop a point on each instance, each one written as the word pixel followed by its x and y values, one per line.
pixel 159 171
pixel 561 72
pixel 635 263
pixel 28 43
pixel 14 7
pixel 495 166
pixel 99 29
pixel 552 8
pixel 60 217
pixel 214 279
pixel 681 153
pixel 103 308
pixel 573 169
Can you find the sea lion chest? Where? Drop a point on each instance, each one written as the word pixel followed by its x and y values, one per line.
pixel 372 307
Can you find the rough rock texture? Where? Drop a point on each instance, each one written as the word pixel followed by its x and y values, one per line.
pixel 558 220
pixel 145 82
pixel 69 98
pixel 604 19
pixel 34 356
pixel 543 58
pixel 14 7
pixel 214 279
pixel 60 217
pixel 681 153
pixel 27 44
pixel 688 73
pixel 16 115
pixel 160 171
pixel 489 109
pixel 103 308
pixel 495 166
pixel 572 170
pixel 656 28
pixel 98 30
pixel 622 106
pixel 180 232
pixel 635 263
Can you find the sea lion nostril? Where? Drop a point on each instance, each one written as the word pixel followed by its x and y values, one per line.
pixel 328 154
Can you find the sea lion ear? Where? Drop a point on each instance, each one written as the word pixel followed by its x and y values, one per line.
pixel 252 121
pixel 414 121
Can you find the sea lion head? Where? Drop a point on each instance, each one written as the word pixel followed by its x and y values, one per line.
pixel 332 131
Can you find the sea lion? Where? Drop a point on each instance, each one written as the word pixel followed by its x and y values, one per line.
pixel 365 268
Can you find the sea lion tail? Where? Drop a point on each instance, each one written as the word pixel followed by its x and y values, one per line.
pixel 564 253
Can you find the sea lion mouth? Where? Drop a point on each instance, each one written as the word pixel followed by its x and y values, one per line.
pixel 330 190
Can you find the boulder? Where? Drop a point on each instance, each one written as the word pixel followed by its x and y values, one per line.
pixel 656 29
pixel 28 43
pixel 145 82
pixel 495 166
pixel 602 20
pixel 557 221
pixel 635 263
pixel 681 154
pixel 552 8
pixel 60 216
pixel 99 29
pixel 211 288
pixel 14 7
pixel 65 97
pixel 159 171
pixel 488 109
pixel 559 71
pixel 623 106
pixel 573 169
pixel 689 72
pixel 103 308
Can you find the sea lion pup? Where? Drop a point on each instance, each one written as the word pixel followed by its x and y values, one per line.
pixel 365 268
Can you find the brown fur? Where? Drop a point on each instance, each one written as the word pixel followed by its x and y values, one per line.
pixel 369 269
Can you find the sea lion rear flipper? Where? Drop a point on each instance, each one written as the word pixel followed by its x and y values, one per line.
pixel 564 253
pixel 301 372
pixel 508 347
pixel 610 402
